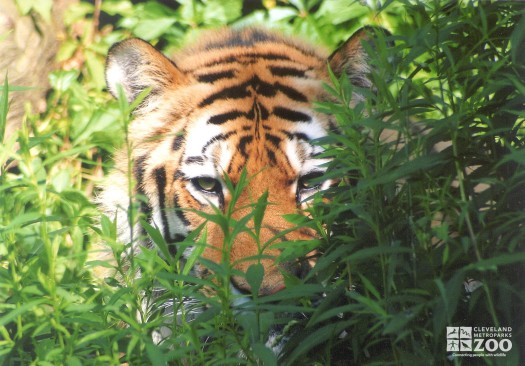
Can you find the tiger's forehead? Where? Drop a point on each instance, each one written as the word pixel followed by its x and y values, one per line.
pixel 246 102
pixel 254 105
pixel 218 49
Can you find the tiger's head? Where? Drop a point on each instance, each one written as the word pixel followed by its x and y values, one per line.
pixel 235 101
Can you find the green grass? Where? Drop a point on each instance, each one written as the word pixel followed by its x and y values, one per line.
pixel 389 276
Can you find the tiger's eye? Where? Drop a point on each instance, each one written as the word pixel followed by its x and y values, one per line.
pixel 305 184
pixel 308 182
pixel 206 184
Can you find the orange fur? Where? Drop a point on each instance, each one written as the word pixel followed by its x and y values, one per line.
pixel 235 100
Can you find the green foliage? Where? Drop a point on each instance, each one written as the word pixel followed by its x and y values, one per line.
pixel 412 219
pixel 43 8
pixel 442 201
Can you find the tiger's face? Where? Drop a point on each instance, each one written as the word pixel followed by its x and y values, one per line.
pixel 237 101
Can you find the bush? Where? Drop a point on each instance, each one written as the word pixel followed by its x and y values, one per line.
pixel 441 204
pixel 415 220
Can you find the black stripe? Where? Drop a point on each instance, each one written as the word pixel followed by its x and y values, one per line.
pixel 266 56
pixel 179 212
pixel 263 112
pixel 160 181
pixel 220 137
pixel 242 144
pixel 275 140
pixel 172 247
pixel 297 135
pixel 271 156
pixel 262 87
pixel 301 136
pixel 234 92
pixel 178 238
pixel 176 202
pixel 219 119
pixel 291 93
pixel 138 169
pixel 145 206
pixel 252 112
pixel 194 160
pixel 286 71
pixel 178 176
pixel 332 125
pixel 242 39
pixel 177 142
pixel 214 76
pixel 291 115
pixel 258 111
pixel 270 90
pixel 255 55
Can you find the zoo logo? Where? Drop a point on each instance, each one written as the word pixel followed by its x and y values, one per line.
pixel 461 339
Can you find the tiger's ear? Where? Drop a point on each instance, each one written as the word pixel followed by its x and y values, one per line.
pixel 137 65
pixel 352 57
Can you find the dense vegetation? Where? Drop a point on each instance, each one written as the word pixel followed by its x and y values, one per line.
pixel 413 219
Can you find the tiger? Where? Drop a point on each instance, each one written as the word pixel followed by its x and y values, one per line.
pixel 237 101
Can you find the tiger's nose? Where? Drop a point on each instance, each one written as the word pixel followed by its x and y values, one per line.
pixel 266 288
pixel 273 279
pixel 270 290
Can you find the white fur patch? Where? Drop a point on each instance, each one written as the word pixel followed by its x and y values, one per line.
pixel 114 76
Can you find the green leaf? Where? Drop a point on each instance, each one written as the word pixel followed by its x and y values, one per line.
pixel 155 355
pixel 221 11
pixel 517 40
pixel 446 304
pixel 62 180
pixel 156 236
pixel 264 354
pixel 94 336
pixel 95 64
pixel 19 310
pixel 400 320
pixel 4 106
pixel 198 249
pixel 109 227
pixel 43 7
pixel 371 306
pixel 254 277
pixel 63 80
pixel 150 29
pixel 24 220
pixel 317 337
pixel 496 261
pixel 258 212
pixel 373 252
